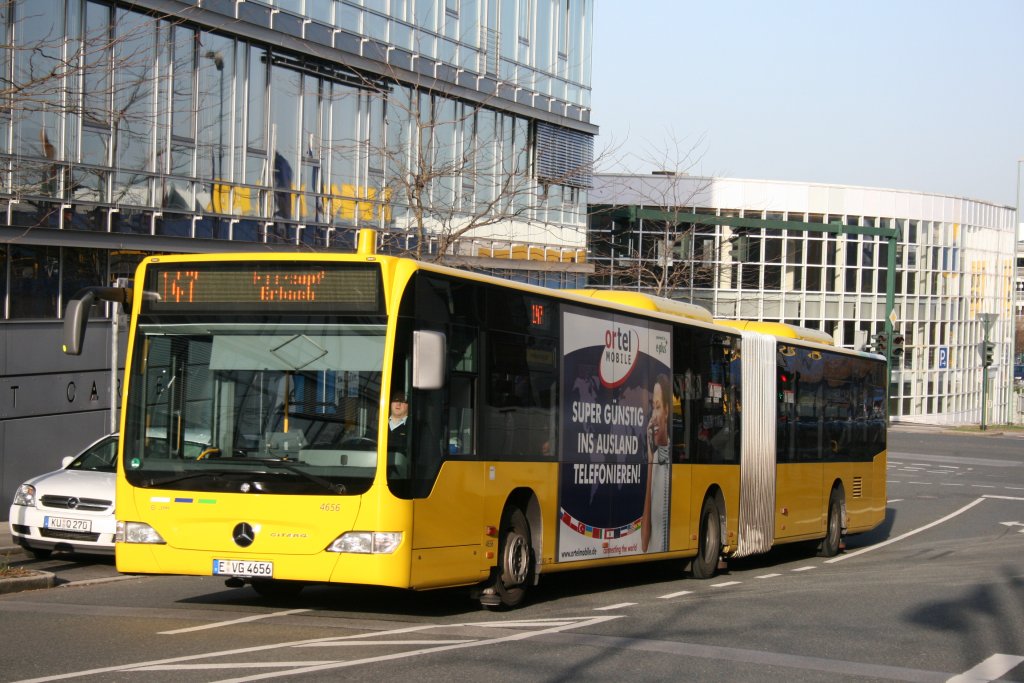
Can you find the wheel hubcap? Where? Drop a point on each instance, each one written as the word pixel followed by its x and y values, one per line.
pixel 517 559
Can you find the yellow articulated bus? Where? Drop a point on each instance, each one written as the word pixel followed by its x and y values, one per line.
pixel 363 419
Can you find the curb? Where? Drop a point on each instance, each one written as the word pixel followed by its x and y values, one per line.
pixel 36 581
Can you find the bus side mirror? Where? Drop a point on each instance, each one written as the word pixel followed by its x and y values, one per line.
pixel 76 313
pixel 76 316
pixel 428 359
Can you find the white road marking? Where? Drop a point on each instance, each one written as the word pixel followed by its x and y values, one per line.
pixel 616 606
pixel 803 569
pixel 674 595
pixel 982 486
pixel 547 627
pixel 349 643
pixel 767 576
pixel 220 624
pixel 530 623
pixel 227 665
pixel 992 668
pixel 725 584
pixel 855 553
pixel 894 500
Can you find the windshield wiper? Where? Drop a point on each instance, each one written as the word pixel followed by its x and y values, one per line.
pixel 158 483
pixel 276 463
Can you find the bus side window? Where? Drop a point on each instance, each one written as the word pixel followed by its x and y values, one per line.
pixel 460 416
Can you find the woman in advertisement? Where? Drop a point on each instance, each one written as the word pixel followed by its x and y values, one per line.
pixel 654 528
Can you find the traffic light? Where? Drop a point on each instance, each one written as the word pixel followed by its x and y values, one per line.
pixel 784 385
pixel 880 343
pixel 897 345
pixel 988 352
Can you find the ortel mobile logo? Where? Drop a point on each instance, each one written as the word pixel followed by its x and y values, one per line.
pixel 621 350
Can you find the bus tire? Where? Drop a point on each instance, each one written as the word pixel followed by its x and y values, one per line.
pixel 507 587
pixel 709 549
pixel 829 546
pixel 275 589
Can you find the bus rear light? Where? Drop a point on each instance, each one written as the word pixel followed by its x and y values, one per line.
pixel 367 542
pixel 490 530
pixel 137 532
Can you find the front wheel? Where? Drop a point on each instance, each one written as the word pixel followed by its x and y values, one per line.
pixel 829 546
pixel 709 550
pixel 40 553
pixel 507 586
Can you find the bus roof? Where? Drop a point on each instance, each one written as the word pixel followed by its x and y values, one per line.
pixel 780 330
pixel 647 302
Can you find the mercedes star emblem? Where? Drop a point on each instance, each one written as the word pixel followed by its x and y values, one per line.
pixel 244 534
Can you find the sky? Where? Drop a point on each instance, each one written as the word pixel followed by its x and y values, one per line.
pixel 921 95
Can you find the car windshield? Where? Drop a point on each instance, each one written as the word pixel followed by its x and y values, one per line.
pixel 211 404
pixel 100 457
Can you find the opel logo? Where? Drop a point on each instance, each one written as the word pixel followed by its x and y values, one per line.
pixel 72 503
pixel 244 534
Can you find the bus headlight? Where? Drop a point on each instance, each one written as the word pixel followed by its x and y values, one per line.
pixel 137 532
pixel 25 495
pixel 367 542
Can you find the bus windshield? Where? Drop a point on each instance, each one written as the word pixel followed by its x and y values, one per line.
pixel 273 406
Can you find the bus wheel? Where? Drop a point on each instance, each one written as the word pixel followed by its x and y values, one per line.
pixel 507 587
pixel 829 546
pixel 705 564
pixel 276 589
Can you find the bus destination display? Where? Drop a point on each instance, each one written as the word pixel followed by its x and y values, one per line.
pixel 307 287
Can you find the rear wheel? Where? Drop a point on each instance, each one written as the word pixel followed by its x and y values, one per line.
pixel 709 550
pixel 829 546
pixel 507 586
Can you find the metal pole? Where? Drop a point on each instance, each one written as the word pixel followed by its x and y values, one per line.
pixel 890 309
pixel 986 322
pixel 1013 302
pixel 984 385
pixel 115 312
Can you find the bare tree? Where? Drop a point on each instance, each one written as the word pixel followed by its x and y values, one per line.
pixel 80 95
pixel 463 179
pixel 666 257
pixel 128 116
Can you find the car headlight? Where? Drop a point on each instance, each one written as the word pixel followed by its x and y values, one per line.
pixel 137 532
pixel 367 542
pixel 25 495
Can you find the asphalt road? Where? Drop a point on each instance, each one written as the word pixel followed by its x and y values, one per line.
pixel 936 594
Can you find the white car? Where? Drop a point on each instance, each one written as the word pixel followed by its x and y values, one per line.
pixel 71 508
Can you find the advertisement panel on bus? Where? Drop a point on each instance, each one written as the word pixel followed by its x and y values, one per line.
pixel 615 452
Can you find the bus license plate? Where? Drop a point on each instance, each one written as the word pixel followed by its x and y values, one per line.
pixel 243 568
pixel 67 524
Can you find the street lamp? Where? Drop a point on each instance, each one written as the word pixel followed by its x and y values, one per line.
pixel 986 321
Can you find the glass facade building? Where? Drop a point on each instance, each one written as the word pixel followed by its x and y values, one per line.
pixel 834 258
pixel 458 129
